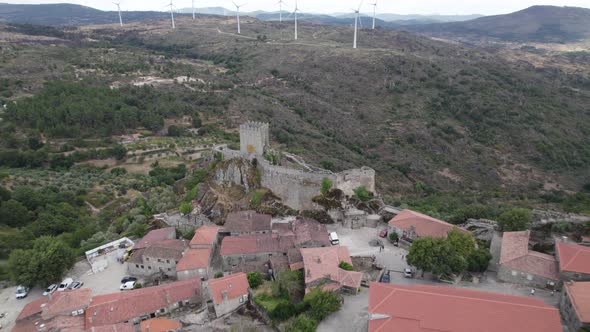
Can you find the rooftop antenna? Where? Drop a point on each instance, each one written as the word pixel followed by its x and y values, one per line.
pixel 281 10
pixel 356 22
pixel 238 14
pixel 171 5
pixel 374 12
pixel 193 9
pixel 118 4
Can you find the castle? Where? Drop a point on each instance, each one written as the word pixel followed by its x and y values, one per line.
pixel 296 187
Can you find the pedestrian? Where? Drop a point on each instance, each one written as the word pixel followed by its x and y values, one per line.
pixel 532 292
pixel 552 292
pixel 380 248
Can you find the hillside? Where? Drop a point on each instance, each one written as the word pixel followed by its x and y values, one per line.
pixel 67 15
pixel 427 115
pixel 534 24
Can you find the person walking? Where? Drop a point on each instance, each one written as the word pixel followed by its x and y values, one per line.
pixel 532 292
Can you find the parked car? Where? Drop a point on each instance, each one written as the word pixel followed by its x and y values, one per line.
pixel 128 285
pixel 383 233
pixel 65 284
pixel 408 273
pixel 386 278
pixel 21 292
pixel 334 239
pixel 50 290
pixel 76 285
pixel 127 279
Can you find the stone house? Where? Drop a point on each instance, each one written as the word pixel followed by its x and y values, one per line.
pixel 229 293
pixel 309 233
pixel 206 237
pixel 194 264
pixel 574 305
pixel 321 267
pixel 574 261
pixel 157 235
pixel 249 253
pixel 137 305
pixel 410 225
pixel 520 265
pixel 247 222
pixel 158 258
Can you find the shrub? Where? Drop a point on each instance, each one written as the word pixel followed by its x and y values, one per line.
pixel 345 266
pixel 138 285
pixel 478 260
pixel 515 220
pixel 218 275
pixel 326 186
pixel 283 311
pixel 302 323
pixel 254 279
pixel 393 237
pixel 362 193
pixel 322 303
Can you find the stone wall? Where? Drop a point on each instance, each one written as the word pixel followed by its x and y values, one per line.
pixel 254 138
pixel 256 261
pixel 506 274
pixel 351 179
pixel 573 276
pixel 568 313
pixel 230 305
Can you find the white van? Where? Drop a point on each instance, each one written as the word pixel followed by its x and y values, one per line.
pixel 334 239
pixel 65 284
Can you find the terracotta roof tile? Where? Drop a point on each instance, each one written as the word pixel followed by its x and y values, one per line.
pixel 579 295
pixel 320 263
pixel 397 308
pixel 159 325
pixel 309 230
pixel 119 307
pixel 424 225
pixel 66 302
pixel 166 249
pixel 205 236
pixel 194 259
pixel 32 308
pixel 247 221
pixel 235 285
pixel 573 257
pixel 122 327
pixel 156 236
pixel 516 255
pixel 250 244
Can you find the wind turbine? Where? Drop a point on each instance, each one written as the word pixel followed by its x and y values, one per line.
pixel 171 5
pixel 356 21
pixel 374 12
pixel 295 13
pixel 194 11
pixel 118 4
pixel 238 14
pixel 281 10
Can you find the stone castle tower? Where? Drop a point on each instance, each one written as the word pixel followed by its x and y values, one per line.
pixel 254 138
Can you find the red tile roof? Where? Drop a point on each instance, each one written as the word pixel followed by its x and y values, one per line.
pixel 250 244
pixel 397 308
pixel 573 257
pixel 235 285
pixel 156 236
pixel 159 325
pixel 205 236
pixel 515 254
pixel 424 225
pixel 321 263
pixel 119 307
pixel 122 327
pixel 579 295
pixel 166 249
pixel 194 259
pixel 32 308
pixel 247 221
pixel 309 230
pixel 67 301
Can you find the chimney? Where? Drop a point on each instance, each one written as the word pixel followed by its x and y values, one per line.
pixel 224 295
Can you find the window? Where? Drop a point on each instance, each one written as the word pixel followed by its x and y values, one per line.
pixel 149 267
pixel 162 310
pixel 168 269
pixel 147 258
pixel 159 260
pixel 142 267
pixel 168 261
pixel 137 266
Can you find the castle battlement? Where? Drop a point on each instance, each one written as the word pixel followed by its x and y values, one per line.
pixel 254 138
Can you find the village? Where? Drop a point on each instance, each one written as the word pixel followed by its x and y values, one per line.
pixel 228 270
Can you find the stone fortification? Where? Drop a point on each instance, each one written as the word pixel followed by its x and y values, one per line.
pixel 254 138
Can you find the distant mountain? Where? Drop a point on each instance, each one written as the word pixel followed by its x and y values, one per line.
pixel 67 14
pixel 534 24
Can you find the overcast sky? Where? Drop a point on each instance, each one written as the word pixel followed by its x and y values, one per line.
pixel 451 7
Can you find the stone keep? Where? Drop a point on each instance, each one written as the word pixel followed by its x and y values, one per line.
pixel 254 138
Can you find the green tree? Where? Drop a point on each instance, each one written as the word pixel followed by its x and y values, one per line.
pixel 345 266
pixel 288 284
pixel 302 323
pixel 435 255
pixel 393 237
pixel 462 242
pixel 479 260
pixel 45 263
pixel 197 123
pixel 174 131
pixel 322 303
pixel 14 214
pixel 326 186
pixel 254 279
pixel 362 193
pixel 515 220
pixel 4 194
pixel 119 152
pixel 218 275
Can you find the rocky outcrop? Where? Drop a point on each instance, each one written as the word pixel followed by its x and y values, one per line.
pixel 482 229
pixel 238 172
pixel 548 217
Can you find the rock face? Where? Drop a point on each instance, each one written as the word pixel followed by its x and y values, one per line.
pixel 482 229
pixel 548 217
pixel 238 172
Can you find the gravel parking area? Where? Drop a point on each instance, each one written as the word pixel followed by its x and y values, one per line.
pixel 11 307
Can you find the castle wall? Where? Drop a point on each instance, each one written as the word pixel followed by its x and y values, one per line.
pixel 254 138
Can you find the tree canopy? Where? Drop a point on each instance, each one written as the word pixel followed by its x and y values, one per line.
pixel 514 220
